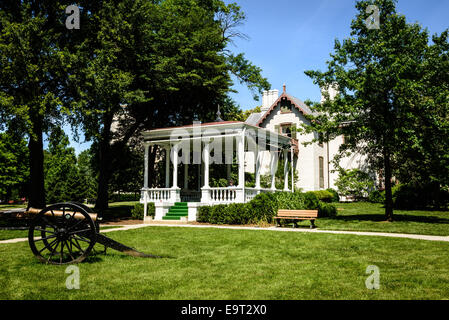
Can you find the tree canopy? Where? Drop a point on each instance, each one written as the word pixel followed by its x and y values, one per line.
pixel 392 96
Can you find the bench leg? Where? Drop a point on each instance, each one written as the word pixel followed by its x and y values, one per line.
pixel 312 224
pixel 295 224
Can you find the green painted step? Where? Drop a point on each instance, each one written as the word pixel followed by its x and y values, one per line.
pixel 177 211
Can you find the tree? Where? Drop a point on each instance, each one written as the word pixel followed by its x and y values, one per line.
pixel 31 75
pixel 377 72
pixel 14 172
pixel 425 161
pixel 59 166
pixel 145 64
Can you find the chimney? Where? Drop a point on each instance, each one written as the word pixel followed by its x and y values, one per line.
pixel 268 98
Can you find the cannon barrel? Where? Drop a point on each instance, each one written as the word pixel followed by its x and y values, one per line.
pixel 59 213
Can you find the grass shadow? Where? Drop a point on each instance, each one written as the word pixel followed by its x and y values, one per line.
pixel 396 217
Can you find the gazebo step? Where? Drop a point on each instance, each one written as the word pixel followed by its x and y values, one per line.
pixel 171 218
pixel 177 214
pixel 177 211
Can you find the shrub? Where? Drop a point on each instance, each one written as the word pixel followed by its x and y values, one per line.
pixel 336 197
pixel 217 214
pixel 326 210
pixel 138 210
pixel 121 197
pixel 354 183
pixel 264 207
pixel 290 201
pixel 311 201
pixel 377 196
pixel 324 195
pixel 203 214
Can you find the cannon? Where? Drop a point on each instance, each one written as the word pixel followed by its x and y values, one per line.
pixel 66 233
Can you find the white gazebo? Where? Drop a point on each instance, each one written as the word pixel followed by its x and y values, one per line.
pixel 194 148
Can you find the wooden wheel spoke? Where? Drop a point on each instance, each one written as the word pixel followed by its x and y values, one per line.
pixel 48 247
pixel 44 230
pixel 62 252
pixel 69 250
pixel 79 231
pixel 78 237
pixel 46 238
pixel 78 245
pixel 53 251
pixel 76 224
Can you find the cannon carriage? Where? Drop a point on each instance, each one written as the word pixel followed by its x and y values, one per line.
pixel 66 233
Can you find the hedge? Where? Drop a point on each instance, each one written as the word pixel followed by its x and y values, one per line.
pixel 325 195
pixel 137 211
pixel 263 208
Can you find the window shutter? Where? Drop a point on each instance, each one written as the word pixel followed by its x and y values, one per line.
pixel 293 130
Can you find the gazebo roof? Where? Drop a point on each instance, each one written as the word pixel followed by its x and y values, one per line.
pixel 211 130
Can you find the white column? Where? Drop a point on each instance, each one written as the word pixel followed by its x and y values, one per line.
pixel 257 158
pixel 273 167
pixel 186 176
pixel 206 156
pixel 145 176
pixel 175 167
pixel 167 167
pixel 205 196
pixel 241 157
pixel 285 170
pixel 293 169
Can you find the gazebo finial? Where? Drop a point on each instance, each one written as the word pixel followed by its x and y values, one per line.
pixel 285 88
pixel 219 119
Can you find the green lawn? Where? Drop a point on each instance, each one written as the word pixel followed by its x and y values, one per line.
pixel 237 264
pixel 12 206
pixel 365 216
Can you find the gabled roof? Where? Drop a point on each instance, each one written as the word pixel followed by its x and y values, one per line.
pixel 297 103
pixel 254 118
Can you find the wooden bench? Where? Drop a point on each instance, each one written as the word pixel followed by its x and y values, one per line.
pixel 311 215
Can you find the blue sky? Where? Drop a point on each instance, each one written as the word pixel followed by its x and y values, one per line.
pixel 288 37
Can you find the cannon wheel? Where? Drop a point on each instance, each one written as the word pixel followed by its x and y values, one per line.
pixel 66 238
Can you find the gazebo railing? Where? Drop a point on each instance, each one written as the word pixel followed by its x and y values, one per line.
pixel 157 194
pixel 224 195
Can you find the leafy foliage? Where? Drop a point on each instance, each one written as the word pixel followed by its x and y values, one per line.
pixel 392 96
pixel 138 210
pixel 14 172
pixel 263 208
pixel 354 183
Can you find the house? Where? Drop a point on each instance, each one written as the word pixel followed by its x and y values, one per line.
pixel 258 145
pixel 313 163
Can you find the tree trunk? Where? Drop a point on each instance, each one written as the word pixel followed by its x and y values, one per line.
pixel 388 193
pixel 36 192
pixel 104 165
